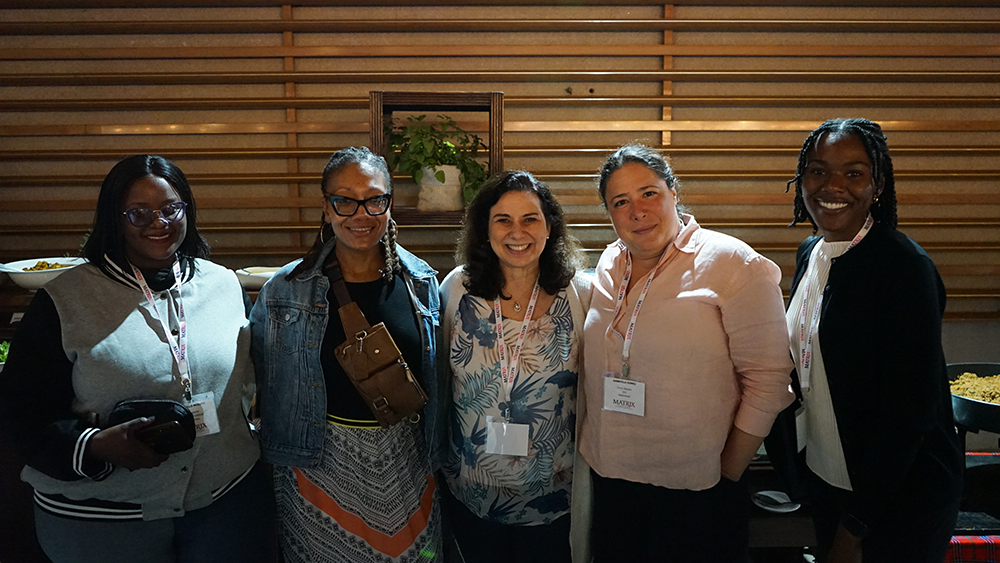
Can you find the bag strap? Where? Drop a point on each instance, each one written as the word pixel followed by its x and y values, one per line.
pixel 351 317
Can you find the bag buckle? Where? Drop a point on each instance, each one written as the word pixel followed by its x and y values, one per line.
pixel 361 335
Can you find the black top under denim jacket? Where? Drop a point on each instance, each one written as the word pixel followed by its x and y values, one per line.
pixel 880 336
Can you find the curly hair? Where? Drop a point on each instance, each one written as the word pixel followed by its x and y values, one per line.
pixel 340 159
pixel 870 134
pixel 483 277
pixel 107 235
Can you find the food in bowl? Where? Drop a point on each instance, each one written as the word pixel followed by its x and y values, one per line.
pixel 254 277
pixel 43 265
pixel 972 386
pixel 36 272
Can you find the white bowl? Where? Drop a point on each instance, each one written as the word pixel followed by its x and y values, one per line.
pixel 37 278
pixel 254 277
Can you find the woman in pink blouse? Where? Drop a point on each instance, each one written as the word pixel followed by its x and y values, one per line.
pixel 687 365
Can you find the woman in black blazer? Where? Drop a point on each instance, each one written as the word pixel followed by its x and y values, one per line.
pixel 883 468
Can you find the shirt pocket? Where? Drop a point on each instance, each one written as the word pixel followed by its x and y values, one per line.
pixel 286 328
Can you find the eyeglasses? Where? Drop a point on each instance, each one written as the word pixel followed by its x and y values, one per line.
pixel 141 217
pixel 347 206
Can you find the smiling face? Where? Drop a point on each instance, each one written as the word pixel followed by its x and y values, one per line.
pixel 152 246
pixel 360 232
pixel 643 210
pixel 837 186
pixel 518 230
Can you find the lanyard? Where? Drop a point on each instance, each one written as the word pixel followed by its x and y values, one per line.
pixel 509 373
pixel 177 347
pixel 622 290
pixel 806 340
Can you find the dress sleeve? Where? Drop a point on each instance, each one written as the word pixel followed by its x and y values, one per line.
pixel 36 395
pixel 754 319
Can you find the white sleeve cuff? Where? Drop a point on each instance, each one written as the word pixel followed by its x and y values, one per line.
pixel 78 463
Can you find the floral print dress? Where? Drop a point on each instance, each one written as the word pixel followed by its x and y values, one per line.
pixel 506 489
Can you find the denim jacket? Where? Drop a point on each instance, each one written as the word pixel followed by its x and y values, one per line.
pixel 287 323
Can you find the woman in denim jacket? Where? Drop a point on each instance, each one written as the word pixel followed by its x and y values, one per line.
pixel 347 489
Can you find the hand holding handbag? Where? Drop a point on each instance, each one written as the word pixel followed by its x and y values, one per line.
pixel 173 430
pixel 373 362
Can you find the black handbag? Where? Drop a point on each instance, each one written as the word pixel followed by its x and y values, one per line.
pixel 173 429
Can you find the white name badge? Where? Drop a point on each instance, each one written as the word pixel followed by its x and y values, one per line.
pixel 506 438
pixel 625 396
pixel 206 420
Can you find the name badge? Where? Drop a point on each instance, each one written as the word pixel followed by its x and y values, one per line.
pixel 625 396
pixel 506 438
pixel 206 420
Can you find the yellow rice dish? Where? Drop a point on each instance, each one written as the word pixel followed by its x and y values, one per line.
pixel 43 265
pixel 979 388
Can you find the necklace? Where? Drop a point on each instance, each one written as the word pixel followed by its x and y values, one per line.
pixel 517 307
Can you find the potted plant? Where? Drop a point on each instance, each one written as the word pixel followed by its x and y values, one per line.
pixel 441 157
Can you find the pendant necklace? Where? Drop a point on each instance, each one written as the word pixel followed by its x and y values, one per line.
pixel 517 307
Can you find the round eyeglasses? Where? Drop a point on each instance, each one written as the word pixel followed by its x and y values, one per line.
pixel 347 206
pixel 141 217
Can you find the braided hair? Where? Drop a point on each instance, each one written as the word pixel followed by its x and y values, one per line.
pixel 883 210
pixel 345 157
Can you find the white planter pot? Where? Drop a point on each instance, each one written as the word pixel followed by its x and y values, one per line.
pixel 437 196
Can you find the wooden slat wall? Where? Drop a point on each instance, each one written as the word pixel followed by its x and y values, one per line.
pixel 250 102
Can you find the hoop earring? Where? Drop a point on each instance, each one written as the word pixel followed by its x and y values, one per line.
pixel 322 227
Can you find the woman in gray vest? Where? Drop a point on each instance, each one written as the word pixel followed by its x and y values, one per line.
pixel 147 318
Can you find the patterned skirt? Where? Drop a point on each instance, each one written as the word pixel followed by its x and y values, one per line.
pixel 371 500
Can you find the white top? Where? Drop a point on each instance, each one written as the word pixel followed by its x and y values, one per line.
pixel 824 452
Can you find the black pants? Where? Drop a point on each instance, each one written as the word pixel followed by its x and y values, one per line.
pixel 488 542
pixel 909 531
pixel 639 523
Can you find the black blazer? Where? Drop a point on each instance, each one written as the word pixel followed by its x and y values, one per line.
pixel 880 335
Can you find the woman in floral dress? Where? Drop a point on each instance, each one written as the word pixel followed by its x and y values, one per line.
pixel 513 418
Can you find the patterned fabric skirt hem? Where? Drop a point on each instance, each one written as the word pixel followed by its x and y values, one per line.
pixel 371 500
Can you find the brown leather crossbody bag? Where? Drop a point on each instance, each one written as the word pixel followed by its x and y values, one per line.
pixel 373 362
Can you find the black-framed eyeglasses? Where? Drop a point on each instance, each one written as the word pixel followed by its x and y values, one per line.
pixel 141 217
pixel 347 206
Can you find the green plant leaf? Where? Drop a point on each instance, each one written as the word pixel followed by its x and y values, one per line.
pixel 439 175
pixel 416 144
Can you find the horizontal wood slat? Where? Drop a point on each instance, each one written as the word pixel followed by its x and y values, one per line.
pixel 584 50
pixel 277 153
pixel 188 104
pixel 509 126
pixel 38 4
pixel 503 25
pixel 502 76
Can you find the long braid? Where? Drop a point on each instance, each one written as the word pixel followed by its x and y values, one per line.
pixel 392 262
pixel 800 213
pixel 870 134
